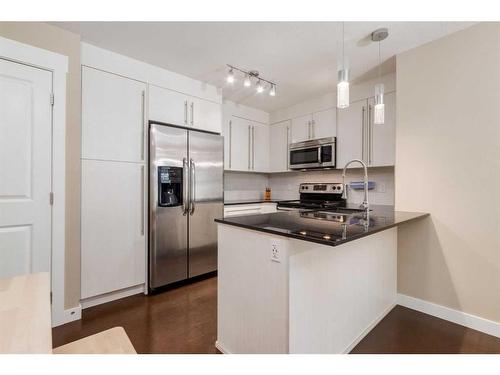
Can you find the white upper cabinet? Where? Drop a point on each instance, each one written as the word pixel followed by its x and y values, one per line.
pixel 174 108
pixel 205 115
pixel 324 123
pixel 113 118
pixel 350 133
pixel 313 126
pixel 239 144
pixel 383 137
pixel 359 138
pixel 260 147
pixel 301 129
pixel 170 107
pixel 246 145
pixel 279 136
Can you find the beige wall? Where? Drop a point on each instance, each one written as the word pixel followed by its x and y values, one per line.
pixel 57 40
pixel 448 164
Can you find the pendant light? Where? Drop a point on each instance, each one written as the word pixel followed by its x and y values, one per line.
pixel 343 79
pixel 379 109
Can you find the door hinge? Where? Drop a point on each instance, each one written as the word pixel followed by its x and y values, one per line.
pixel 52 99
pixel 51 198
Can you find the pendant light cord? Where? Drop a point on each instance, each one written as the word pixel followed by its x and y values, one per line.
pixel 343 45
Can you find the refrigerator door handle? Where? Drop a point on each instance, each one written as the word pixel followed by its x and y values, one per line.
pixel 192 195
pixel 185 190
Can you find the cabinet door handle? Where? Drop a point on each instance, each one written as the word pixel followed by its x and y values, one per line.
pixel 185 112
pixel 363 133
pixel 143 121
pixel 370 131
pixel 253 147
pixel 230 142
pixel 192 113
pixel 287 147
pixel 249 145
pixel 313 130
pixel 142 200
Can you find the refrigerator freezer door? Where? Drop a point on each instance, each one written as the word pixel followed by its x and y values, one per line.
pixel 206 154
pixel 168 226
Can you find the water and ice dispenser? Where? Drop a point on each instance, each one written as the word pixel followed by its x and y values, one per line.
pixel 169 186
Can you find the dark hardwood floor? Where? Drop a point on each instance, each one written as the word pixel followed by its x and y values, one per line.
pixel 406 331
pixel 184 320
pixel 181 320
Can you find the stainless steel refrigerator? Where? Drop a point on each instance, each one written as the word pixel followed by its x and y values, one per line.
pixel 185 196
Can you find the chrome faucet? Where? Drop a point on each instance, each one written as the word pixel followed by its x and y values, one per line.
pixel 365 204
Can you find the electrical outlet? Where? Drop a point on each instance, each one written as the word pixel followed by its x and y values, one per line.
pixel 275 254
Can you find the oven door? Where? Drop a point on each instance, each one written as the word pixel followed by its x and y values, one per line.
pixel 307 157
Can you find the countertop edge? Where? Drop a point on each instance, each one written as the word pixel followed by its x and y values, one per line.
pixel 319 241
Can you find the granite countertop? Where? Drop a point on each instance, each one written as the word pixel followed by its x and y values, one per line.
pixel 324 227
pixel 229 202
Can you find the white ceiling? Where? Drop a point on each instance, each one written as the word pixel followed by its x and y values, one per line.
pixel 301 57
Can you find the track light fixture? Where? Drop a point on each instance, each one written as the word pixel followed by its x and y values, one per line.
pixel 249 76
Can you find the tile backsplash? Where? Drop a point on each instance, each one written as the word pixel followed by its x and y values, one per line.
pixel 240 185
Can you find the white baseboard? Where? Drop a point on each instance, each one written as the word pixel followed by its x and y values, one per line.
pixel 489 327
pixel 221 348
pixel 368 329
pixel 67 316
pixel 108 297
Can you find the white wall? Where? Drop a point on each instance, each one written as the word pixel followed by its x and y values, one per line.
pixel 448 164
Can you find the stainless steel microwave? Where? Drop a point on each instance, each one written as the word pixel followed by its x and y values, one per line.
pixel 316 153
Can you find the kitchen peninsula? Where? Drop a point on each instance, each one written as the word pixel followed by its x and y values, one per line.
pixel 305 281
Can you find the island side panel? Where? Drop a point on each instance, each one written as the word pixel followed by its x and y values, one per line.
pixel 338 294
pixel 252 302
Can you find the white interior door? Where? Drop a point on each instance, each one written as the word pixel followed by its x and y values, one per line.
pixel 25 169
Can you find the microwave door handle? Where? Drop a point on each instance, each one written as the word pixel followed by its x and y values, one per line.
pixel 319 155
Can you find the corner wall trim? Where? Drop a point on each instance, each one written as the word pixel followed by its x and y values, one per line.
pixel 489 327
pixel 221 348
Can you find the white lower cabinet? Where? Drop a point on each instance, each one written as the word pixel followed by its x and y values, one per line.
pixel 249 209
pixel 279 139
pixel 172 107
pixel 113 244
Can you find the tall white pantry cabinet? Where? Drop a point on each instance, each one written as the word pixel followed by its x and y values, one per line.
pixel 113 182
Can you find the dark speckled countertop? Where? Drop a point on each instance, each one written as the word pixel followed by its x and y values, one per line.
pixel 324 227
